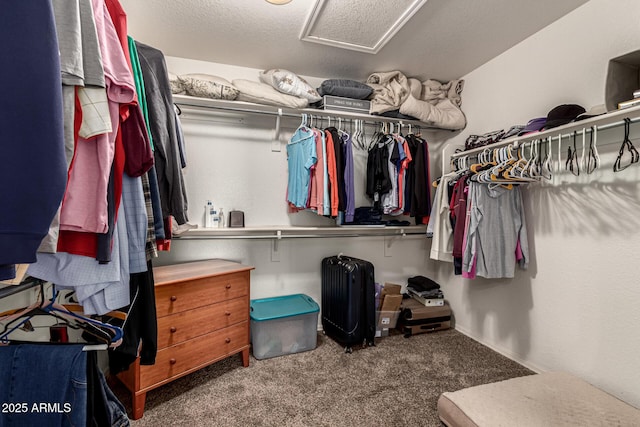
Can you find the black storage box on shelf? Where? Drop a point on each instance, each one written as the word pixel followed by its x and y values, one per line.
pixel 623 79
pixel 416 318
pixel 236 219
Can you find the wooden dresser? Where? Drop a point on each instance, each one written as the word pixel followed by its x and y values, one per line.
pixel 203 317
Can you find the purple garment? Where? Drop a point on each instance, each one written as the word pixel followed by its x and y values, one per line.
pixel 348 178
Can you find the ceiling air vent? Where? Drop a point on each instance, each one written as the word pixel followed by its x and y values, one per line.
pixel 362 25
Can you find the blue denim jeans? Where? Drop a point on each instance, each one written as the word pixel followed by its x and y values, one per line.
pixel 43 385
pixel 115 409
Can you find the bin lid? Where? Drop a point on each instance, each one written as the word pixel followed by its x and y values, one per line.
pixel 284 306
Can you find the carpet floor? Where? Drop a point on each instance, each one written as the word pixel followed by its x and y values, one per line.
pixel 395 383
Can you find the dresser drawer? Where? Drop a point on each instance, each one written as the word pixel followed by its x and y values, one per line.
pixel 186 325
pixel 190 294
pixel 195 353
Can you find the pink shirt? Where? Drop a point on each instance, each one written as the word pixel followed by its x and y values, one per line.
pixel 84 207
pixel 317 177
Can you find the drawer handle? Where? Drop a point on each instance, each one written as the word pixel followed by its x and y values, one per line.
pixel 173 298
pixel 172 361
pixel 228 340
pixel 227 313
pixel 228 286
pixel 173 329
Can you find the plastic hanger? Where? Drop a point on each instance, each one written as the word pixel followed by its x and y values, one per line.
pixel 362 134
pixel 532 170
pixel 546 168
pixel 51 308
pixel 374 138
pixel 584 138
pixel 593 159
pixel 572 164
pixel 559 153
pixel 626 143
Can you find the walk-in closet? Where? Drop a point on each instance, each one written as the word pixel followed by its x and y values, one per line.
pixel 320 213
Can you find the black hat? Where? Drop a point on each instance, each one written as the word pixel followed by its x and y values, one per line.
pixel 562 114
pixel 592 112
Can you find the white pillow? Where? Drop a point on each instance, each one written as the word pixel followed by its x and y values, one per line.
pixel 208 86
pixel 262 93
pixel 289 83
pixel 175 84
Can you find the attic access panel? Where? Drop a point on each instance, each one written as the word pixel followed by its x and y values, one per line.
pixel 362 25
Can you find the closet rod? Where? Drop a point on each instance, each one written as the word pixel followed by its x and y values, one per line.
pixel 608 121
pixel 298 236
pixel 240 107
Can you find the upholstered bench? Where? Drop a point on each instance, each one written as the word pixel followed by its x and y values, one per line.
pixel 549 399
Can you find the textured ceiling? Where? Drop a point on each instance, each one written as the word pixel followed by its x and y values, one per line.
pixel 376 22
pixel 444 40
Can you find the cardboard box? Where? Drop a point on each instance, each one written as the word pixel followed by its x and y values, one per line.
pixel 390 297
pixel 391 288
pixel 386 319
pixel 391 302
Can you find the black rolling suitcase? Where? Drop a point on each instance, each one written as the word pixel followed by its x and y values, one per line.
pixel 348 300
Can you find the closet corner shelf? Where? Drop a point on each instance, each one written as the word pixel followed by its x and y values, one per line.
pixel 251 108
pixel 292 232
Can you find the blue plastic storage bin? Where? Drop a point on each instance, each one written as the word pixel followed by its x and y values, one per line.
pixel 283 325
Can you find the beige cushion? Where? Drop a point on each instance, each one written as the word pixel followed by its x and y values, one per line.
pixel 443 115
pixel 208 86
pixel 262 93
pixel 287 82
pixel 549 399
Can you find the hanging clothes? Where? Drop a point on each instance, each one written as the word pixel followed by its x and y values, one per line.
pixel 317 174
pixel 31 131
pixel 301 157
pixel 458 212
pixel 497 234
pixel 442 244
pixel 84 207
pixel 421 194
pixel 332 173
pixel 163 130
pixel 389 199
pixel 403 176
pixel 35 373
pixel 349 184
pixel 340 166
pixel 378 179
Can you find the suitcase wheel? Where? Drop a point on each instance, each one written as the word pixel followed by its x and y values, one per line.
pixel 348 349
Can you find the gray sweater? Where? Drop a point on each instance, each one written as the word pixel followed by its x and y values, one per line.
pixel 496 224
pixel 163 130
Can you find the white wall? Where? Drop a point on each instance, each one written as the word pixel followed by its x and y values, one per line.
pixel 577 307
pixel 230 160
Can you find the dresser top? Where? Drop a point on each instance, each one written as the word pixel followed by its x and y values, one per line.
pixel 168 274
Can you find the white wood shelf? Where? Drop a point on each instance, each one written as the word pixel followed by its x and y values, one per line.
pixel 291 232
pixel 602 122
